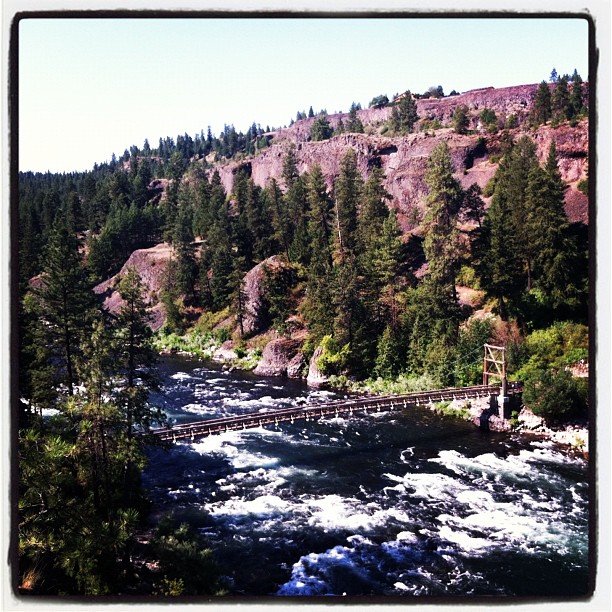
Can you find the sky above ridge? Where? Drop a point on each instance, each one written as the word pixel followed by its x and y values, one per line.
pixel 92 87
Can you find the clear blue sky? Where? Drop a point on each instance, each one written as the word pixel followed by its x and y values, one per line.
pixel 89 88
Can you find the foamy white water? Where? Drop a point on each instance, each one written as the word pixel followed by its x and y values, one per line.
pixel 401 504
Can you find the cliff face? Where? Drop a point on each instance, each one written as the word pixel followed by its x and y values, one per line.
pixel 404 161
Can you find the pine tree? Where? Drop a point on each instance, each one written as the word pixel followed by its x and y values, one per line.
pixel 512 184
pixel 186 266
pixel 444 200
pixel 66 303
pixel 554 251
pixel 499 250
pixel 348 189
pixel 560 101
pixel 404 115
pixel 321 129
pixel 576 101
pixel 136 359
pixel 542 109
pixel 279 215
pixel 319 297
pixel 461 120
pixel 472 208
pixel 354 123
pixel 373 212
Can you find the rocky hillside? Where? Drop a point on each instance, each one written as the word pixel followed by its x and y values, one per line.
pixel 404 159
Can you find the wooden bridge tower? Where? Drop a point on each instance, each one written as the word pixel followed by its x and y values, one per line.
pixel 495 366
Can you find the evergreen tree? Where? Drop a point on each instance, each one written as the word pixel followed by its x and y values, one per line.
pixel 576 101
pixel 354 123
pixel 373 213
pixel 186 266
pixel 221 265
pixel 504 253
pixel 560 101
pixel 279 214
pixel 136 359
pixel 441 244
pixel 66 303
pixel 472 208
pixel 461 120
pixel 242 235
pixel 321 129
pixel 347 192
pixel 404 115
pixel 319 297
pixel 542 109
pixel 554 251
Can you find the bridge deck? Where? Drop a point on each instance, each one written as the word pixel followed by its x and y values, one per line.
pixel 209 427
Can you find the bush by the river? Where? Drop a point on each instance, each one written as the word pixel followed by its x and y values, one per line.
pixel 555 395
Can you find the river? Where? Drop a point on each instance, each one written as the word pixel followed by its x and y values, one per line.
pixel 399 503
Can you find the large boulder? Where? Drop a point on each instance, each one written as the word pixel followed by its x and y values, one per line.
pixel 281 357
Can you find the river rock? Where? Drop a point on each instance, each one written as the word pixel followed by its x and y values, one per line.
pixel 279 356
pixel 296 366
pixel 315 377
pixel 225 352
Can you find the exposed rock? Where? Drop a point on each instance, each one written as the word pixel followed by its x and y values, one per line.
pixel 150 265
pixel 315 377
pixel 404 159
pixel 225 352
pixel 256 316
pixel 530 421
pixel 279 357
pixel 296 366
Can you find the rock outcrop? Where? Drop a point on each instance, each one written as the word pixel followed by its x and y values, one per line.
pixel 150 265
pixel 225 352
pixel 256 317
pixel 315 377
pixel 404 159
pixel 281 357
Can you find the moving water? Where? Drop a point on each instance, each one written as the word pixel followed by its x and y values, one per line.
pixel 398 503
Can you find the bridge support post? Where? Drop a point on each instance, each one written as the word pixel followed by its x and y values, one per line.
pixel 495 356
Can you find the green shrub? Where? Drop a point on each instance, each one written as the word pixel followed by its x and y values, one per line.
pixel 209 320
pixel 467 277
pixel 223 334
pixel 555 395
pixel 583 186
pixel 556 346
pixel 240 350
pixel 451 410
pixel 489 188
pixel 186 564
pixel 511 121
pixel 404 383
pixel 333 359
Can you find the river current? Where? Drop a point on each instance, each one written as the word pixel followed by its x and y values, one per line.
pixel 398 503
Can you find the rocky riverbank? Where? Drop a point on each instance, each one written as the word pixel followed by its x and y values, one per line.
pixel 571 435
